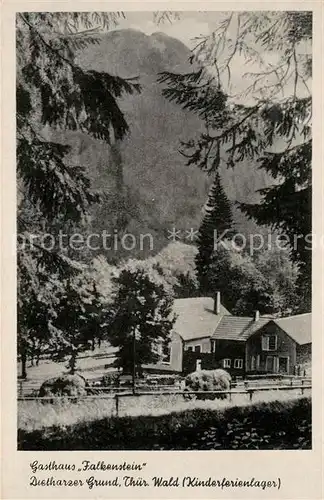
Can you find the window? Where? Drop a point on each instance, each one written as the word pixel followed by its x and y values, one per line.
pixel 272 364
pixel 166 356
pixel 238 363
pixel 269 342
pixel 163 351
pixel 197 348
pixel 190 348
pixel 157 348
pixel 227 363
pixel 255 362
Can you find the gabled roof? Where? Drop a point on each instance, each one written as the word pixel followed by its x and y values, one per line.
pixel 238 327
pixel 196 318
pixel 299 327
pixel 242 327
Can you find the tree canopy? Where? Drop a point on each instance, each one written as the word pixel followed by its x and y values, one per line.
pixel 53 91
pixel 268 122
pixel 216 221
pixel 142 315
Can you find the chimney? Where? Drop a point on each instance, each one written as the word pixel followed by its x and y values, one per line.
pixel 217 303
pixel 256 315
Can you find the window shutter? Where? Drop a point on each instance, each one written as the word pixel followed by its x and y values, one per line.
pixel 265 343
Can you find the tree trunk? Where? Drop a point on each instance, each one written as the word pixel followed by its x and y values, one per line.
pixel 24 364
pixel 73 361
pixel 93 346
pixel 134 361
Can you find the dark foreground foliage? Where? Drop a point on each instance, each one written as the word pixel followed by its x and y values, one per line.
pixel 276 425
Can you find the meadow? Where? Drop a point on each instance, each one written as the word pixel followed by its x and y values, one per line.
pixel 37 414
pixel 271 425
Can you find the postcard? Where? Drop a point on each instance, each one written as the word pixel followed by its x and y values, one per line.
pixel 162 250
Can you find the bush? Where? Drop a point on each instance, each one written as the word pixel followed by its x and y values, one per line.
pixel 209 380
pixel 110 379
pixel 65 385
pixel 158 380
pixel 269 426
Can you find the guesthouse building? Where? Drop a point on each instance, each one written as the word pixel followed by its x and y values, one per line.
pixel 206 336
pixel 280 346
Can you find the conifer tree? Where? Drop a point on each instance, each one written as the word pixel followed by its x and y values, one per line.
pixel 142 315
pixel 217 221
pixel 54 93
pixel 76 322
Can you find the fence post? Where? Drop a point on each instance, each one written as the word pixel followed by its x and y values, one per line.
pixel 251 394
pixel 302 389
pixel 117 404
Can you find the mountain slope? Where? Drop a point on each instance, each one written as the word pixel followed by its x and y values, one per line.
pixel 146 185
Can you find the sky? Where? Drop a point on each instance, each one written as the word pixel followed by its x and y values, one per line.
pixel 195 24
pixel 190 24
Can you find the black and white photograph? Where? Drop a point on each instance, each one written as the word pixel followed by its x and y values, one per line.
pixel 164 230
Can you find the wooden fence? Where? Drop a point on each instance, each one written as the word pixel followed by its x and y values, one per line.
pixel 186 394
pixel 30 388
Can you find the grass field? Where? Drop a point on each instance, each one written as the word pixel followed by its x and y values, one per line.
pixel 90 364
pixel 37 414
pixel 272 425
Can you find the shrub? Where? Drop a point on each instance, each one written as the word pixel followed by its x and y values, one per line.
pixel 260 426
pixel 110 379
pixel 158 380
pixel 65 385
pixel 209 380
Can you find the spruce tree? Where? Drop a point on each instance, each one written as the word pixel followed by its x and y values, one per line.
pixel 216 221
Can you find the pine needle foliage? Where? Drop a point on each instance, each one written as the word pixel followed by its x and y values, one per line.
pixel 267 123
pixel 217 223
pixel 54 93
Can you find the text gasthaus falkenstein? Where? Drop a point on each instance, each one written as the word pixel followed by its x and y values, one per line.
pixel 85 465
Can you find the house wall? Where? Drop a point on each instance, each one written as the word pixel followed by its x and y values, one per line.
pixel 232 350
pixel 190 361
pixel 204 344
pixel 176 358
pixel 176 354
pixel 285 347
pixel 223 349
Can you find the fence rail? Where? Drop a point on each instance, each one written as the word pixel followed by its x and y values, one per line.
pixel 28 388
pixel 185 393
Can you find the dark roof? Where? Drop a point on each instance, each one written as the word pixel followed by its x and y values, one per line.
pixel 238 327
pixel 242 327
pixel 299 327
pixel 196 318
